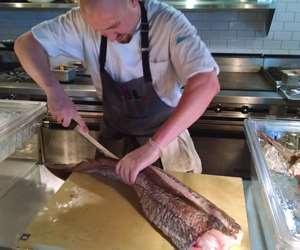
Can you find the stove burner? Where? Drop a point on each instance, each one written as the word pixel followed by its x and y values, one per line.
pixel 15 75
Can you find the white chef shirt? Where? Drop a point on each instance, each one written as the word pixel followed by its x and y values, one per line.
pixel 176 51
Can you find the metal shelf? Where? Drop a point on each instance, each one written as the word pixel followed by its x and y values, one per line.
pixel 222 4
pixel 179 4
pixel 58 5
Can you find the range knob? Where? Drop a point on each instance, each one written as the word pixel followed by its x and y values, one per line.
pixel 218 108
pixel 245 109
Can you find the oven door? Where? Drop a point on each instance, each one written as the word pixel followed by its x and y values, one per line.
pixel 221 145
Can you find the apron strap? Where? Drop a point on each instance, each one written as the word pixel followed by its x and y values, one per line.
pixel 145 43
pixel 144 46
pixel 102 56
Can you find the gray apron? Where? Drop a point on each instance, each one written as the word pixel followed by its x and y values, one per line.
pixel 132 110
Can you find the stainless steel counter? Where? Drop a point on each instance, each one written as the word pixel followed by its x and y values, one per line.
pixel 27 88
pixel 89 91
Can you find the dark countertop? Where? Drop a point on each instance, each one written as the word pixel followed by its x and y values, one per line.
pixel 245 81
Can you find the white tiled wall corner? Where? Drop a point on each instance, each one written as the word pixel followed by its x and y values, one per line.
pixel 245 33
pixel 223 31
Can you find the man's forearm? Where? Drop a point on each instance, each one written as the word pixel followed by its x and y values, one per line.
pixel 35 61
pixel 198 93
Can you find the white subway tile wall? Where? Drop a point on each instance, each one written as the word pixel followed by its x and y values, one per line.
pixel 14 22
pixel 243 32
pixel 223 31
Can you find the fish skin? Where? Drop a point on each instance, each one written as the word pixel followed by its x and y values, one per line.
pixel 165 202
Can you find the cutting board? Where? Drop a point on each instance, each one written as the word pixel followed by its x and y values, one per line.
pixel 97 213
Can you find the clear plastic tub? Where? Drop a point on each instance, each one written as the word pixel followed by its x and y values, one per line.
pixel 276 194
pixel 19 121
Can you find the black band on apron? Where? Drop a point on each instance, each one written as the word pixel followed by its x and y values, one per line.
pixel 102 58
pixel 145 44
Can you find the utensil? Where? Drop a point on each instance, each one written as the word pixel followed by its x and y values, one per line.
pixel 74 125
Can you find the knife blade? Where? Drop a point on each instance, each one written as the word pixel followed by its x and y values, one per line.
pixel 74 125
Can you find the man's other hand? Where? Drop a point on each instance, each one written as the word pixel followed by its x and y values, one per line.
pixel 134 162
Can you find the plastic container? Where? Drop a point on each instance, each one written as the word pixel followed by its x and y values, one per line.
pixel 22 195
pixel 19 121
pixel 276 195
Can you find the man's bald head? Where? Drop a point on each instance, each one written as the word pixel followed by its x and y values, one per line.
pixel 90 6
pixel 112 18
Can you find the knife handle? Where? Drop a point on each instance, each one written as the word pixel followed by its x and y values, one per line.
pixel 73 124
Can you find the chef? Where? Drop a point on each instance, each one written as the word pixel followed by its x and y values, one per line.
pixel 152 71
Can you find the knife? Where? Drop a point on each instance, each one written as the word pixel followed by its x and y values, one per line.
pixel 74 125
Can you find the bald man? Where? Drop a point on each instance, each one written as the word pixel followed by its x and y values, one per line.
pixel 140 56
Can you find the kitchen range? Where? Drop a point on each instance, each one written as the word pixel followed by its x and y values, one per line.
pixel 248 141
pixel 252 86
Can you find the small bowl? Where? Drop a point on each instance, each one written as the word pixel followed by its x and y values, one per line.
pixel 64 73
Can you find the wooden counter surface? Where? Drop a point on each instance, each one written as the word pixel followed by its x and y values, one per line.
pixel 87 213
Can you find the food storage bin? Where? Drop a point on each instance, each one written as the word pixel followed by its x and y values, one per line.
pixel 19 121
pixel 276 194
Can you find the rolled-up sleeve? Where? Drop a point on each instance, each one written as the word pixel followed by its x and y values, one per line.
pixel 61 35
pixel 189 53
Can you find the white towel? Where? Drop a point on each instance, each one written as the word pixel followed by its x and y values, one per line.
pixel 180 155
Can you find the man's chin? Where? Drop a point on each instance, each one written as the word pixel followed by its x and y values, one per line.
pixel 124 38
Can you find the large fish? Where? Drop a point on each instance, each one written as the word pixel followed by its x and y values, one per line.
pixel 186 218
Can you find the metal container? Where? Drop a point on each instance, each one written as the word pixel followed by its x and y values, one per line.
pixel 64 73
pixel 65 146
pixel 276 195
pixel 291 77
pixel 19 121
pixel 62 145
